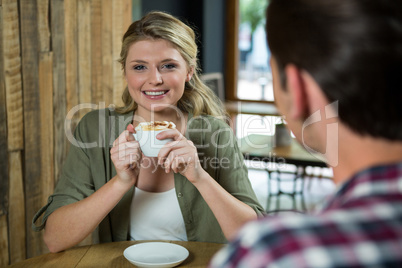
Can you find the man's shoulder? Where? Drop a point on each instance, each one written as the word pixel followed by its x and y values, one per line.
pixel 263 242
pixel 273 226
pixel 336 222
pixel 310 239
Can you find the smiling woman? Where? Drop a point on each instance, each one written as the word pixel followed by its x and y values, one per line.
pixel 176 196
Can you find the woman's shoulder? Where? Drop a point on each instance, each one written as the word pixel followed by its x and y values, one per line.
pixel 100 116
pixel 101 123
pixel 91 115
pixel 205 129
pixel 89 125
pixel 207 122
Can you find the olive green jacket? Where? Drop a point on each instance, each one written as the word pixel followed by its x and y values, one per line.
pixel 88 167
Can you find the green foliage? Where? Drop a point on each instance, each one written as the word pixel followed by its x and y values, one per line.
pixel 253 12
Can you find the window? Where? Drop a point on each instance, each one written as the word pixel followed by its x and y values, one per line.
pixel 248 75
pixel 254 74
pixel 248 79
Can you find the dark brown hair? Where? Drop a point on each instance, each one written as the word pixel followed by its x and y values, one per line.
pixel 353 49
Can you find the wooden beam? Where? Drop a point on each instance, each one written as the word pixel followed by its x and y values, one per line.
pixel 4 252
pixel 16 218
pixel 43 25
pixel 96 51
pixel 3 133
pixel 84 53
pixel 127 15
pixel 71 37
pixel 59 40
pixel 12 77
pixel 117 35
pixel 4 259
pixel 32 123
pixel 127 20
pixel 71 41
pixel 107 59
pixel 46 128
pixel 15 190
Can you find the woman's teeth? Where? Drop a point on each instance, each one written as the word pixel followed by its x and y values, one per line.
pixel 154 93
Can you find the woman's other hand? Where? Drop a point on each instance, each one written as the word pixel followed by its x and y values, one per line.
pixel 180 155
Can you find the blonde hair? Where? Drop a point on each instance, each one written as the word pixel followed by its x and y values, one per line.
pixel 198 98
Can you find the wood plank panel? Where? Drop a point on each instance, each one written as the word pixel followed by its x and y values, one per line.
pixel 84 53
pixel 71 37
pixel 107 59
pixel 16 218
pixel 117 35
pixel 127 20
pixel 96 51
pixel 46 130
pixel 59 83
pixel 12 77
pixel 3 134
pixel 127 15
pixel 43 25
pixel 4 259
pixel 32 176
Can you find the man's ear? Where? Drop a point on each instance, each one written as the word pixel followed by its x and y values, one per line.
pixel 297 91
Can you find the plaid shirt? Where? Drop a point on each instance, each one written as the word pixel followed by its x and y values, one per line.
pixel 361 226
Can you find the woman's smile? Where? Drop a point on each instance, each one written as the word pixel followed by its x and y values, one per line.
pixel 153 94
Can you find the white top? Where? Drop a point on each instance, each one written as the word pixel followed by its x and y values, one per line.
pixel 156 216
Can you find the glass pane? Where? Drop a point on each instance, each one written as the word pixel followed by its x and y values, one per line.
pixel 254 77
pixel 255 124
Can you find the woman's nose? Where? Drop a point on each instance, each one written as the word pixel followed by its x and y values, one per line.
pixel 156 77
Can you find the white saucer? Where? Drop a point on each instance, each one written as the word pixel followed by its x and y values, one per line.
pixel 156 254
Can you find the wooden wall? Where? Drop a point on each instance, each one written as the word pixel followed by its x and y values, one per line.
pixel 54 55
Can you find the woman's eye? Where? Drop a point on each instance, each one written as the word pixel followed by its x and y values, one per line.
pixel 139 67
pixel 169 66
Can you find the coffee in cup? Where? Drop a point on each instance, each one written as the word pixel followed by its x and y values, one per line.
pixel 155 126
pixel 146 136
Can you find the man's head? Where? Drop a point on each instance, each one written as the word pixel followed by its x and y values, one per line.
pixel 352 49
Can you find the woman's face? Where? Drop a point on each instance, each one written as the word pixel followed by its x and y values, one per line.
pixel 156 74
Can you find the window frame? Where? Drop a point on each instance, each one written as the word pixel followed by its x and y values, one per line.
pixel 232 53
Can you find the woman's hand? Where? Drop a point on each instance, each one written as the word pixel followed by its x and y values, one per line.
pixel 180 155
pixel 126 156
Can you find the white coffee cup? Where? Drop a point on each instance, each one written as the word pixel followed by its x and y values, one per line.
pixel 150 145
